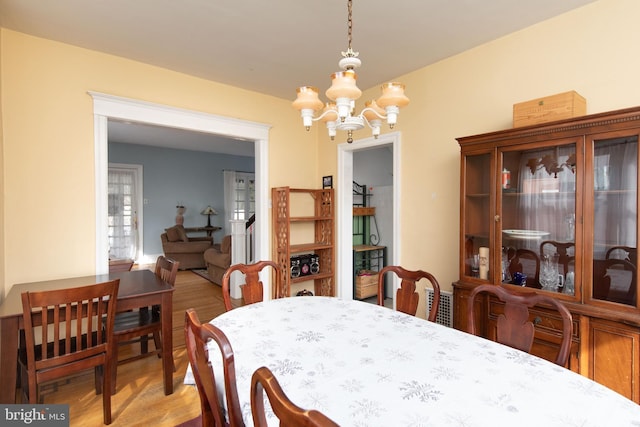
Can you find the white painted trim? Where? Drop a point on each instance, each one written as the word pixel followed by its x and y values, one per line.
pixel 238 256
pixel 108 106
pixel 344 238
pixel 102 192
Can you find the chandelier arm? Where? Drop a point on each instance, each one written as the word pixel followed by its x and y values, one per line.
pixel 383 117
pixel 324 113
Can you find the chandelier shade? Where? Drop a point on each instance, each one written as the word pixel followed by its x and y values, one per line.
pixel 343 85
pixel 393 94
pixel 340 115
pixel 307 98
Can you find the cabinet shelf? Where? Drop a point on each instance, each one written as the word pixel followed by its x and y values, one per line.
pixel 309 218
pixel 308 247
pixel 311 277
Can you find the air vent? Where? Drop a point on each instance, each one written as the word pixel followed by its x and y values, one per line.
pixel 445 310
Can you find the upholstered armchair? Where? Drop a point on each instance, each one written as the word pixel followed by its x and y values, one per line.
pixel 218 259
pixel 189 251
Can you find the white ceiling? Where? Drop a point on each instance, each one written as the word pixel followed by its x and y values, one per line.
pixel 274 46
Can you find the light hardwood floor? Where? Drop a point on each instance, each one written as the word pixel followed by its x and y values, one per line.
pixel 140 398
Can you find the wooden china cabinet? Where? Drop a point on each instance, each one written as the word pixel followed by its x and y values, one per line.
pixel 554 208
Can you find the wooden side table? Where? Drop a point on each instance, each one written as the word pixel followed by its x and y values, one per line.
pixel 208 230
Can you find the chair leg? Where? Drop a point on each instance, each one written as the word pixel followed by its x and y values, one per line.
pixel 144 340
pixel 113 368
pixel 24 384
pixel 144 344
pixel 105 387
pixel 98 378
pixel 158 343
pixel 32 390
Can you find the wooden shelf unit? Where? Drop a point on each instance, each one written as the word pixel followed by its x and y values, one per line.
pixel 312 208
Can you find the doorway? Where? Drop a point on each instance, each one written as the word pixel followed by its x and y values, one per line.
pixel 112 107
pixel 345 212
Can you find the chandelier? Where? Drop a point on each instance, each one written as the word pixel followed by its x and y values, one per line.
pixel 339 114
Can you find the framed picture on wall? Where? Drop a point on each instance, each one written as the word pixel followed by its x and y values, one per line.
pixel 327 181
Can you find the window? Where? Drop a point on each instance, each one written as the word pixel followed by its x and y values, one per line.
pixel 123 213
pixel 239 197
pixel 244 197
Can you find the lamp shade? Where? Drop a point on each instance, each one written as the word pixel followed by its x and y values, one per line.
pixel 392 95
pixel 307 99
pixel 209 211
pixel 343 85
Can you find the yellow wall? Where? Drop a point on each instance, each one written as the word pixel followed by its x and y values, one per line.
pixel 592 50
pixel 2 169
pixel 49 201
pixel 48 128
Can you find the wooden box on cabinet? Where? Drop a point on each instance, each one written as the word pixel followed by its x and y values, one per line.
pixel 550 108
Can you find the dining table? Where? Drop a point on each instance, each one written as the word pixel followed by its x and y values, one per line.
pixel 366 365
pixel 138 288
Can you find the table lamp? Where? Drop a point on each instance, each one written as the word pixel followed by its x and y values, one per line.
pixel 209 211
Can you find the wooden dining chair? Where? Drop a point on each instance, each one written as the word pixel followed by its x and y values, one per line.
pixel 136 326
pixel 627 253
pixel 289 413
pixel 197 336
pixel 72 338
pixel 527 262
pixel 615 279
pixel 406 296
pixel 252 289
pixel 513 326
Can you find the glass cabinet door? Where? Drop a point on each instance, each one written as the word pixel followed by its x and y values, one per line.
pixel 537 216
pixel 477 220
pixel 615 219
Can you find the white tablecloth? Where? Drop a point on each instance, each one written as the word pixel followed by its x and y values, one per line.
pixel 365 365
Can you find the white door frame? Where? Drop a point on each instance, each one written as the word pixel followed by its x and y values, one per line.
pixel 344 240
pixel 108 106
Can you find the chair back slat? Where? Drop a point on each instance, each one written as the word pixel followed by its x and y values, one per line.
pixel 252 290
pixel 287 412
pixel 167 269
pixel 406 296
pixel 514 328
pixel 197 336
pixel 64 349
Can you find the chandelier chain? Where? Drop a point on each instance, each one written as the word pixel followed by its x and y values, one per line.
pixel 349 23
